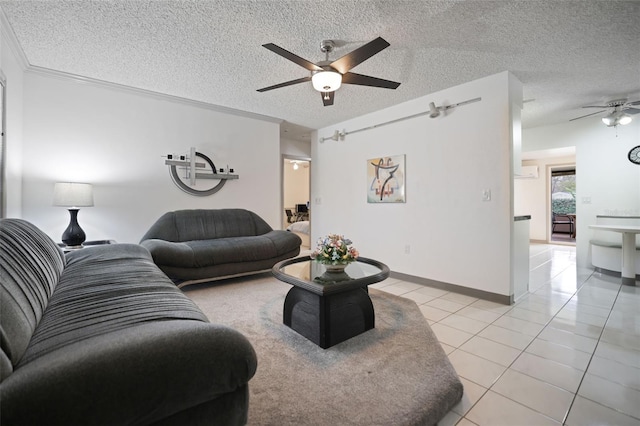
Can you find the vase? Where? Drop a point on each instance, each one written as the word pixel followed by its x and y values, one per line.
pixel 336 268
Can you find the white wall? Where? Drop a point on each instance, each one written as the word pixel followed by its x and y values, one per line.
pixel 294 148
pixel 115 139
pixel 532 195
pixel 606 182
pixel 12 66
pixel 452 235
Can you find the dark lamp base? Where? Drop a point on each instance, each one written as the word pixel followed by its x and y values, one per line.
pixel 73 236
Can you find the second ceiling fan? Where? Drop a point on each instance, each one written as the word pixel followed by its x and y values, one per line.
pixel 327 76
pixel 619 112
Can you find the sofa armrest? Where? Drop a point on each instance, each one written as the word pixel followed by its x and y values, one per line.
pixel 133 376
pixel 168 252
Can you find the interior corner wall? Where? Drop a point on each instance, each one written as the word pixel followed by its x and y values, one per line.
pixel 607 183
pixel 116 140
pixel 14 72
pixel 444 231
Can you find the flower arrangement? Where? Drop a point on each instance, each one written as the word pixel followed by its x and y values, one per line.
pixel 334 250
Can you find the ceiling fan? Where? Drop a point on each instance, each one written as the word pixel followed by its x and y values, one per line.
pixel 327 76
pixel 620 112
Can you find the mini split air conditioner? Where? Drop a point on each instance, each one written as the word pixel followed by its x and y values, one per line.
pixel 528 172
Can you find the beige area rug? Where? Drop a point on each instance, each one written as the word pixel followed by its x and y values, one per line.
pixel 394 374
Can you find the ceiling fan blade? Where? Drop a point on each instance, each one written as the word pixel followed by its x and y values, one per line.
pixel 359 55
pixel 292 57
pixel 588 115
pixel 365 80
pixel 631 108
pixel 596 106
pixel 285 84
pixel 327 98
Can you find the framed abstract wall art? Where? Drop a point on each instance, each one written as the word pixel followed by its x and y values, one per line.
pixel 385 179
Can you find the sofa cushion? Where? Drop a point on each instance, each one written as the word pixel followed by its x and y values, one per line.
pixel 30 266
pixel 231 250
pixel 203 253
pixel 119 285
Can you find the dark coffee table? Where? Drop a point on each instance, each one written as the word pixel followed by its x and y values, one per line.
pixel 327 307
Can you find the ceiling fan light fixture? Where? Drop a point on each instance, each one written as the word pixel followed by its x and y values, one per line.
pixel 616 118
pixel 326 81
pixel 609 120
pixel 625 119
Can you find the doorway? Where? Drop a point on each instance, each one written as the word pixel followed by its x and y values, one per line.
pixel 296 190
pixel 562 201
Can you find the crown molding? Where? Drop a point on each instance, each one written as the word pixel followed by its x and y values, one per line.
pixel 8 34
pixel 47 72
pixel 12 41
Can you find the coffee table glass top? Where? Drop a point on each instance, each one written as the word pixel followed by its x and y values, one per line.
pixel 313 276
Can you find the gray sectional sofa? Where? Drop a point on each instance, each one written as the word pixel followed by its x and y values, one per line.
pixel 202 245
pixel 102 336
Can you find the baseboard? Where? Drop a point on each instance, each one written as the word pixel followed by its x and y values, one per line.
pixel 613 273
pixel 472 292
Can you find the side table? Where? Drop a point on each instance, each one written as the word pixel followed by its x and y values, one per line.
pixel 86 244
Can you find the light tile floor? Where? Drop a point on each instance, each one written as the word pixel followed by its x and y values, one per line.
pixel 566 353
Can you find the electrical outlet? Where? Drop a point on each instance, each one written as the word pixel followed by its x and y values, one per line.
pixel 318 200
pixel 486 195
pixel 407 249
pixel 586 200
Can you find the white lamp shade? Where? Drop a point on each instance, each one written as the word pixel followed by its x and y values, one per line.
pixel 326 81
pixel 68 194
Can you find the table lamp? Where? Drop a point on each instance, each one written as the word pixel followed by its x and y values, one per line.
pixel 73 195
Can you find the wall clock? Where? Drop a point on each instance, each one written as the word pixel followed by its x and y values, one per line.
pixel 634 155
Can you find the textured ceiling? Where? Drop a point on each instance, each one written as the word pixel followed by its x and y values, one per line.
pixel 566 53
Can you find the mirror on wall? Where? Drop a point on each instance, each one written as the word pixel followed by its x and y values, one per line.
pixel 3 180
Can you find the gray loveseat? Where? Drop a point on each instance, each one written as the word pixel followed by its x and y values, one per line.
pixel 201 245
pixel 102 336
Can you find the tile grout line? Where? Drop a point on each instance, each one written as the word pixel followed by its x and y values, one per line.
pixel 523 351
pixel 564 421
